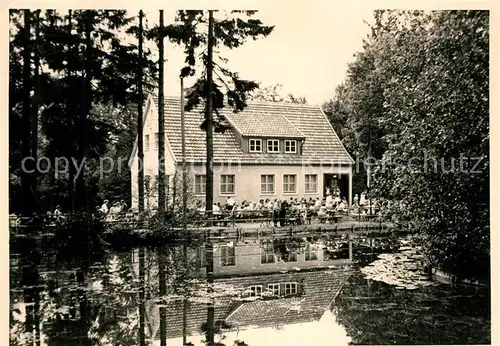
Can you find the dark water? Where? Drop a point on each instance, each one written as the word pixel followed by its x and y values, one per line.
pixel 300 290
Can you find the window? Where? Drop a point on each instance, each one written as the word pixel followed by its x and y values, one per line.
pixel 311 254
pixel 227 184
pixel 289 183
pixel 227 255
pixel 146 143
pixel 157 140
pixel 273 146
pixel 290 146
pixel 267 253
pixel 290 257
pixel 290 288
pixel 311 183
pixel 274 289
pixel 256 291
pixel 267 184
pixel 200 184
pixel 255 145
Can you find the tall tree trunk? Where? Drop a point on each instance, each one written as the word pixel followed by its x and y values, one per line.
pixel 210 280
pixel 81 188
pixel 184 301
pixel 30 258
pixel 210 178
pixel 142 298
pixel 184 172
pixel 36 105
pixel 140 149
pixel 26 115
pixel 36 319
pixel 161 124
pixel 209 201
pixel 163 292
pixel 82 298
pixel 71 174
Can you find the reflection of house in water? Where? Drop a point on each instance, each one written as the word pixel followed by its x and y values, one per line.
pixel 269 284
pixel 268 256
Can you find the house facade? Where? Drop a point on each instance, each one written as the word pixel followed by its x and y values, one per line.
pixel 294 280
pixel 270 150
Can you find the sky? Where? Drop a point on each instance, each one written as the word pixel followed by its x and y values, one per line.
pixel 326 331
pixel 307 53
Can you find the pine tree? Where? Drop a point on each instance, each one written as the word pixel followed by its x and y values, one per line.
pixel 193 31
pixel 83 62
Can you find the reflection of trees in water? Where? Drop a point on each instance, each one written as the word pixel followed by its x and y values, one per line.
pixel 98 300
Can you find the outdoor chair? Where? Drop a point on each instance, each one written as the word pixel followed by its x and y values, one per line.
pixel 266 219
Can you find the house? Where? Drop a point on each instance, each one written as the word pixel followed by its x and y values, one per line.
pixel 270 150
pixel 296 298
pixel 257 286
pixel 275 255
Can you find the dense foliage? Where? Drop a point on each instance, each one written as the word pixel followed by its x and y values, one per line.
pixel 83 66
pixel 275 93
pixel 416 102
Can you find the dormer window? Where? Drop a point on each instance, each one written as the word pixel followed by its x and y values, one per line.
pixel 273 146
pixel 255 145
pixel 291 146
pixel 291 288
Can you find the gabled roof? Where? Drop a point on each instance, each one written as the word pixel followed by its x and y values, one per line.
pixel 320 288
pixel 273 119
pixel 263 122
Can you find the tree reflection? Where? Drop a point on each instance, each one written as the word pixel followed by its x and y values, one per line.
pixel 194 292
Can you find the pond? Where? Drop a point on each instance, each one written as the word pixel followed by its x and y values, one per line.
pixel 317 289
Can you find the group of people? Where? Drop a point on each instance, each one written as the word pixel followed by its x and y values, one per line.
pixel 114 208
pixel 279 209
pixel 111 212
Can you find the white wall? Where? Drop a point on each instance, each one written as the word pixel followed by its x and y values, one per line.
pixel 151 157
pixel 248 179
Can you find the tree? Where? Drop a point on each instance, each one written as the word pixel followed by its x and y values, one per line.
pixel 83 62
pixel 193 31
pixel 420 85
pixel 275 93
pixel 26 114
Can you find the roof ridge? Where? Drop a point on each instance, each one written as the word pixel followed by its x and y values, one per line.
pixel 260 117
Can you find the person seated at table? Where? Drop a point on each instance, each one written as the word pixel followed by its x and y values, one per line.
pixel 317 204
pixel 104 207
pixel 130 214
pixel 57 211
pixel 355 201
pixel 276 212
pixel 362 198
pixel 342 205
pixel 201 207
pixel 337 199
pixel 329 202
pixel 115 208
pixel 216 210
pixel 230 203
pixel 322 213
pixel 50 219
